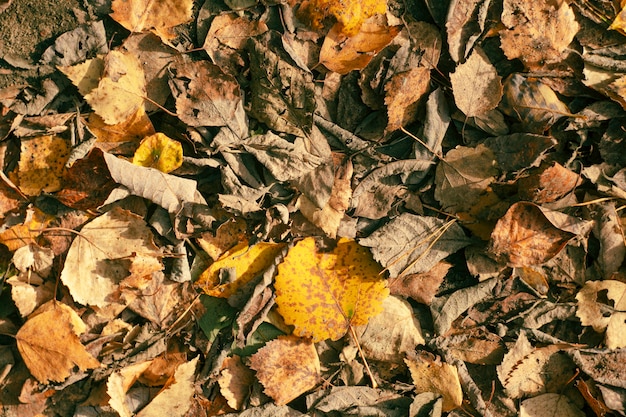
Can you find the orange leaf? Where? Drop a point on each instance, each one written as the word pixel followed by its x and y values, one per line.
pixel 350 14
pixel 50 346
pixel 158 15
pixel 323 294
pixel 524 236
pixel 432 375
pixel 27 232
pixel 287 367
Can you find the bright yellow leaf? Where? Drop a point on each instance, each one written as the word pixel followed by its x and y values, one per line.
pixel 324 293
pixel 160 152
pixel 237 267
pixel 350 14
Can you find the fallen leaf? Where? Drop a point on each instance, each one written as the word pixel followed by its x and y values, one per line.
pixel 393 333
pixel 124 137
pixel 421 287
pixel 27 232
pixel 160 152
pixel 48 342
pixel 610 83
pixel 227 235
pixel 120 382
pixel 237 267
pixel 525 237
pixel 158 15
pixel 476 85
pixel 402 95
pixel 608 229
pixel 235 381
pixel 121 89
pixel 412 244
pixel 42 164
pixel 287 367
pixel 343 54
pixel 324 293
pixel 548 183
pixel 549 405
pixel 477 346
pixel 465 22
pixel 519 150
pixel 175 399
pixel 537 33
pixel 601 305
pixel 94 265
pixel 532 102
pixel 463 175
pixel 429 374
pixel 350 14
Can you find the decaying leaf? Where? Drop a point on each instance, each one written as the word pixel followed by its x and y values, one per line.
pixel 237 267
pixel 49 344
pixel 549 405
pixel 42 164
pixel 228 234
pixel 476 85
pixel 343 54
pixel 235 381
pixel 160 152
pixel 98 259
pixel 539 32
pixel 429 374
pixel 324 293
pixel 403 93
pixel 157 15
pixel 548 183
pixel 525 237
pixel 412 244
pixel 601 304
pixel 392 334
pixel 287 367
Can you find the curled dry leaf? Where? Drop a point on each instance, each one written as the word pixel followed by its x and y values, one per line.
pixel 343 54
pixel 235 381
pixel 350 14
pixel 49 344
pixel 160 152
pixel 429 374
pixel 601 304
pixel 324 293
pixel 287 367
pixel 525 236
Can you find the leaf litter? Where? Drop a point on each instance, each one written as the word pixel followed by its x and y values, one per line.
pixel 330 208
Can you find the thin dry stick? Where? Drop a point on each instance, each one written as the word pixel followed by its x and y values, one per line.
pixel 367 367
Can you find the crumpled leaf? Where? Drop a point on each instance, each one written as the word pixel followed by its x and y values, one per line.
pixel 429 374
pixel 168 191
pixel 282 94
pixel 95 266
pixel 519 150
pixel 465 22
pixel 236 267
pixel 549 405
pixel 348 400
pixel 525 236
pixel 49 344
pixel 206 96
pixel 235 381
pixel 77 45
pixel 538 33
pixel 476 85
pixel 124 137
pixel 120 382
pixel 287 367
pixel 42 164
pixel 610 83
pixel 160 152
pixel 285 160
pixel 175 399
pixel 411 244
pixel 350 14
pixel 343 54
pixel 390 335
pixel 463 175
pixel 27 232
pixel 601 304
pixel 158 15
pixel 324 293
pixel 609 231
pixel 532 102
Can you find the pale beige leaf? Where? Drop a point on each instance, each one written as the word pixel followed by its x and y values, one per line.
pixel 606 316
pixel 549 405
pixel 429 374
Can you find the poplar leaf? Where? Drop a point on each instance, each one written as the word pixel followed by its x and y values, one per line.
pixel 160 152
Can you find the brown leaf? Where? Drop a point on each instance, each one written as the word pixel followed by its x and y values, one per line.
pixel 235 381
pixel 421 287
pixel 429 374
pixel 548 183
pixel 49 344
pixel 524 236
pixel 287 367
pixel 158 15
pixel 537 32
pixel 476 85
pixel 402 95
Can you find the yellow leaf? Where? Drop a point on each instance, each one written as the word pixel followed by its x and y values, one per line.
pixel 350 14
pixel 237 267
pixel 49 345
pixel 324 293
pixel 432 375
pixel 26 233
pixel 160 152
pixel 287 367
pixel 41 165
pixel 227 235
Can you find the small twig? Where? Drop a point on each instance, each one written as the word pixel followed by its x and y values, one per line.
pixel 367 367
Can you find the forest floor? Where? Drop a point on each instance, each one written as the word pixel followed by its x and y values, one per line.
pixel 325 208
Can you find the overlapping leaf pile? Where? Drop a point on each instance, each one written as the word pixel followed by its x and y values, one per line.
pixel 332 208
